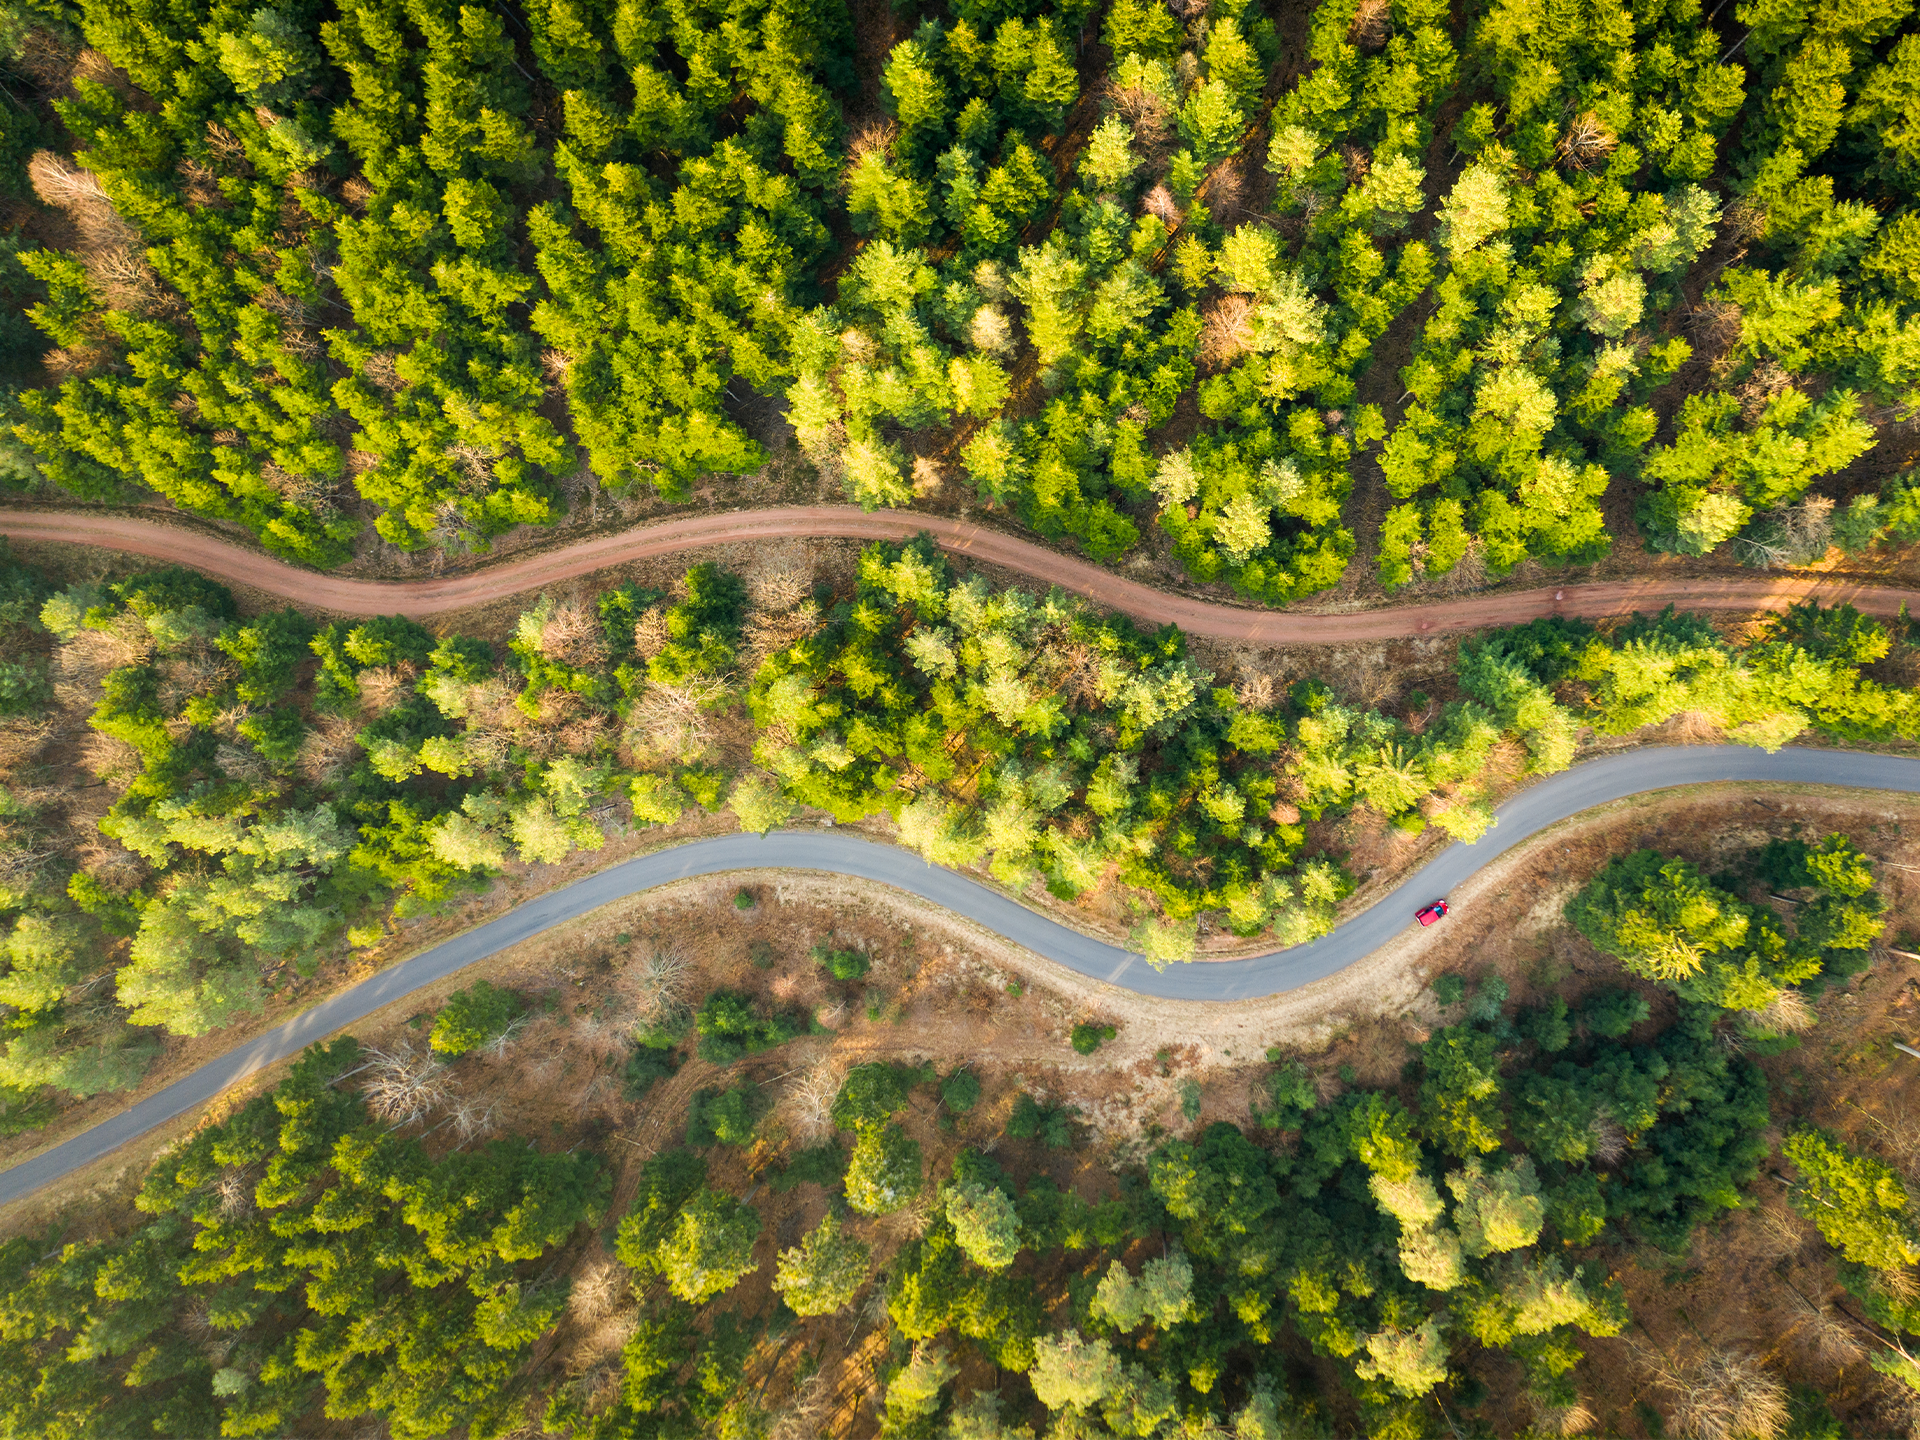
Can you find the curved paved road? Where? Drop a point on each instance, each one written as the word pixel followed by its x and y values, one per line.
pixel 345 596
pixel 1525 815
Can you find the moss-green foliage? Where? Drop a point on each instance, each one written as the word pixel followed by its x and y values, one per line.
pixel 1088 1038
pixel 1392 1237
pixel 474 1016
pixel 731 1027
pixel 1859 1204
pixel 1031 1120
pixel 1396 1260
pixel 703 629
pixel 645 1066
pixel 884 1171
pixel 723 1117
pixel 631 218
pixel 960 1091
pixel 822 1164
pixel 840 964
pixel 873 1092
pixel 1053 747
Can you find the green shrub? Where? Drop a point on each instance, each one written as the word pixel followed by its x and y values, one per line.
pixel 1449 990
pixel 723 1117
pixel 1033 1121
pixel 872 1092
pixel 884 1172
pixel 1088 1038
pixel 472 1017
pixel 1291 1090
pixel 743 900
pixel 23 1109
pixel 961 1092
pixel 841 964
pixel 730 1029
pixel 1612 1013
pixel 1548 1027
pixel 646 1065
pixel 664 1031
pixel 816 1165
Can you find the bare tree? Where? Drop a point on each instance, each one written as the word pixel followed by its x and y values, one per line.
pixel 1588 142
pixel 1788 1013
pixel 1828 1333
pixel 805 1414
pixel 598 1291
pixel 1720 1395
pixel 403 1086
pixel 1372 23
pixel 809 1099
pixel 1790 535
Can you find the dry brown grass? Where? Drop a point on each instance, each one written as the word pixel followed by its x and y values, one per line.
pixel 22 736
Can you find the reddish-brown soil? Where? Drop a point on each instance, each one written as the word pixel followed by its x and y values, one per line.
pixel 347 596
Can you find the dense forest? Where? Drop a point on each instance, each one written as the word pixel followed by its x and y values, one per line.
pixel 1345 1260
pixel 267 792
pixel 1524 269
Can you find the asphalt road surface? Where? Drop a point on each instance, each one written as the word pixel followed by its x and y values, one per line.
pixel 1552 800
pixel 181 544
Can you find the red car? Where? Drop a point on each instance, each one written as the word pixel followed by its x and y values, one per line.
pixel 1432 914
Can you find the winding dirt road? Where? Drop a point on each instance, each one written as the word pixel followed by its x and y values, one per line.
pixel 344 596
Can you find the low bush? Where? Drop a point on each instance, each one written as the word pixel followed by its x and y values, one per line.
pixel 841 964
pixel 1088 1038
pixel 472 1017
pixel 723 1117
pixel 730 1029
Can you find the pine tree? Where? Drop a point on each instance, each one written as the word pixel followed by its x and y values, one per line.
pixel 822 1274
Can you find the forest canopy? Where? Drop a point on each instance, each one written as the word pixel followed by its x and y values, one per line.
pixel 434 268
